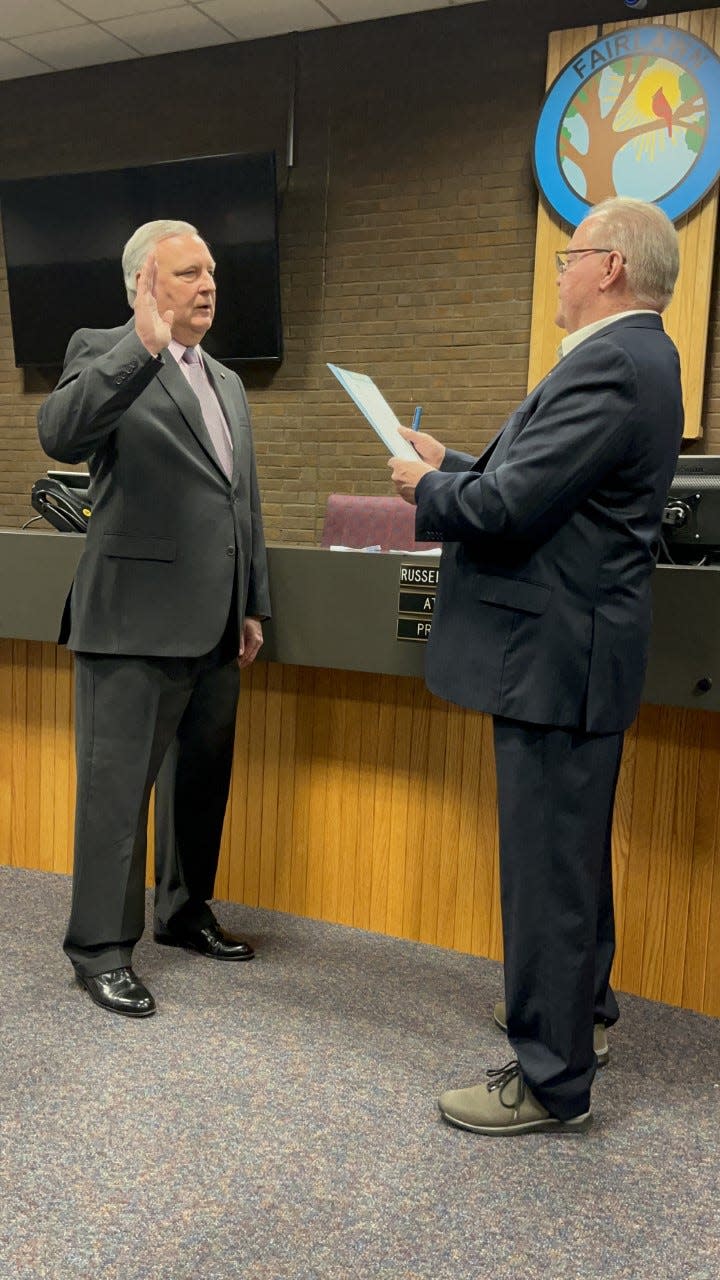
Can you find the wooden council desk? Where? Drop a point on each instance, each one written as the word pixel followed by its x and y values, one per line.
pixel 359 798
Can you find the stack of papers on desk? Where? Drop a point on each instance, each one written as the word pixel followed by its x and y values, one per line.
pixel 392 551
pixel 337 547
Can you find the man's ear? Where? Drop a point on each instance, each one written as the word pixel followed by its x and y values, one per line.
pixel 613 268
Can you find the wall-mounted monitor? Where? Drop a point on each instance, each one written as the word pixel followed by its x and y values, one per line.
pixel 64 237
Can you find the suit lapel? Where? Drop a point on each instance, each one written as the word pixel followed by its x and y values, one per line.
pixel 487 452
pixel 221 382
pixel 180 391
pixel 517 419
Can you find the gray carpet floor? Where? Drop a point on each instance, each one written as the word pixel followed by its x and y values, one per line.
pixel 277 1120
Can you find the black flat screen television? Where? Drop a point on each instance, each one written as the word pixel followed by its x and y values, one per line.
pixel 64 237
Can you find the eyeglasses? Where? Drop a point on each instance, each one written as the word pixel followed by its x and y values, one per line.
pixel 561 258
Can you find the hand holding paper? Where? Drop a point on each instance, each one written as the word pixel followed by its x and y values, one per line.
pixel 426 446
pixel 414 452
pixel 405 474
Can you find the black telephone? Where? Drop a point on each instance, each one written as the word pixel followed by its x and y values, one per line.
pixel 62 498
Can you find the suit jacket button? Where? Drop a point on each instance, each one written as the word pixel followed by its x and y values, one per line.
pixel 229 551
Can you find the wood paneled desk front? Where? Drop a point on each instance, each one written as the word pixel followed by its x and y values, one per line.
pixel 359 798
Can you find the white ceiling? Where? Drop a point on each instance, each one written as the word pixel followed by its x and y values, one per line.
pixel 38 36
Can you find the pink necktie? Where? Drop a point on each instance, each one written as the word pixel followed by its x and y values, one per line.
pixel 211 411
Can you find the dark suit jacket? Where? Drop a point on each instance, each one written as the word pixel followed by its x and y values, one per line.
pixel 543 610
pixel 169 535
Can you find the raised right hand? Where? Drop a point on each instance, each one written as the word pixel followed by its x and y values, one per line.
pixel 153 330
pixel 426 447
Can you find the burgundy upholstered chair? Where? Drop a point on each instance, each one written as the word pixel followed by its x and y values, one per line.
pixel 354 520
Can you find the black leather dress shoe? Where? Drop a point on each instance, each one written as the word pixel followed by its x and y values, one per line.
pixel 210 940
pixel 120 991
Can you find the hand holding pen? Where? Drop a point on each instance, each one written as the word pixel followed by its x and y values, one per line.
pixel 406 475
pixel 425 446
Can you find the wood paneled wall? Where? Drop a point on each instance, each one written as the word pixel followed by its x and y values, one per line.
pixel 363 800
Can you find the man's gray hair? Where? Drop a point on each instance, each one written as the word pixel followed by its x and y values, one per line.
pixel 648 242
pixel 142 241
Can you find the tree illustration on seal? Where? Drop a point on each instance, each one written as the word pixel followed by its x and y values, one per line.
pixel 636 127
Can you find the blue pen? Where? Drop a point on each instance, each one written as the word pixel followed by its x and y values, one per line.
pixel 415 425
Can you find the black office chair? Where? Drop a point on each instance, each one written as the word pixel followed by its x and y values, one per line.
pixel 62 498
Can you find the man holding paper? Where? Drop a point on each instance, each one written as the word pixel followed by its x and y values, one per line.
pixel 542 619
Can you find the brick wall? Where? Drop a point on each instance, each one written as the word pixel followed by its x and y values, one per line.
pixel 407 226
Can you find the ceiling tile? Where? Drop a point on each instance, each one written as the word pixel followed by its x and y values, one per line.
pixel 81 47
pixel 15 63
pixel 253 19
pixel 22 18
pixel 361 10
pixel 104 10
pixel 168 31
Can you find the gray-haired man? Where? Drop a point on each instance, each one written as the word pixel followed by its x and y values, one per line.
pixel 542 619
pixel 166 606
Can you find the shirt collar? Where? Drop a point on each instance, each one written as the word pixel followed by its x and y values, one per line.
pixel 178 349
pixel 574 339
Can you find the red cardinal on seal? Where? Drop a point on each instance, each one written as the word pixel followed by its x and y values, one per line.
pixel 663 110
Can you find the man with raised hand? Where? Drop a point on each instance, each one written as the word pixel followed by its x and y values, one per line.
pixel 166 606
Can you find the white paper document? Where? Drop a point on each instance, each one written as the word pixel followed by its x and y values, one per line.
pixel 373 404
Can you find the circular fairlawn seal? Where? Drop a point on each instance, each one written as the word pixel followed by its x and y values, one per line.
pixel 635 113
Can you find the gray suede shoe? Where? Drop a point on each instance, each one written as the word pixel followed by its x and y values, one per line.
pixel 504 1107
pixel 600 1040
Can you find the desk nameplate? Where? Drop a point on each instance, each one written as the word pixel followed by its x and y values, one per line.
pixel 413 629
pixel 419 575
pixel 417 601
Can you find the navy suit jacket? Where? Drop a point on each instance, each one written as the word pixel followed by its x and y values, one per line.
pixel 543 610
pixel 170 537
